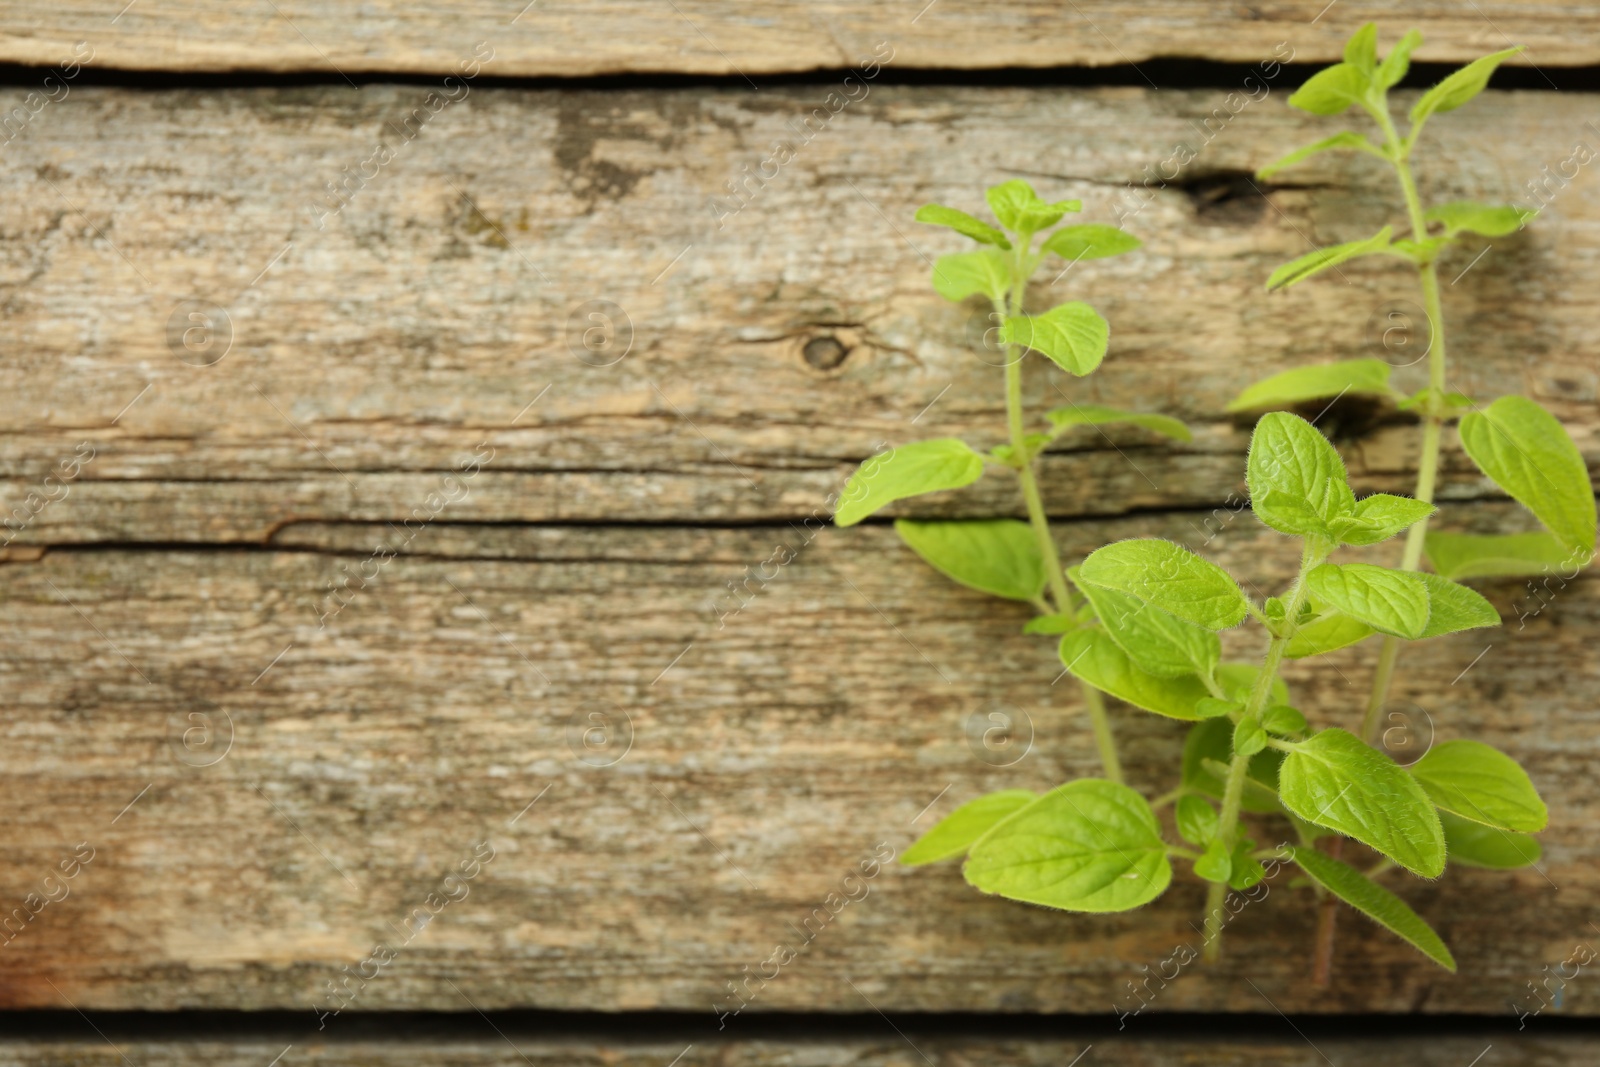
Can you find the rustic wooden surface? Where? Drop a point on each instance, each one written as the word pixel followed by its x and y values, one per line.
pixel 183 572
pixel 890 1051
pixel 370 356
pixel 697 37
pixel 767 758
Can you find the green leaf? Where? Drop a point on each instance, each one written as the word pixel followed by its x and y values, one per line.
pixel 1298 270
pixel 1330 91
pixel 1391 602
pixel 1240 679
pixel 1019 208
pixel 1088 845
pixel 1349 140
pixel 1477 782
pixel 1247 870
pixel 1361 51
pixel 1472 844
pixel 1216 708
pixel 1373 901
pixel 1336 780
pixel 1094 657
pixel 1248 737
pixel 1456 555
pixel 956 832
pixel 962 223
pixel 1296 479
pixel 1090 241
pixel 1381 516
pixel 1158 643
pixel 1073 336
pixel 1326 635
pixel 1215 864
pixel 1527 453
pixel 1316 382
pixel 1395 65
pixel 1457 88
pixel 996 556
pixel 1197 819
pixel 963 274
pixel 1170 577
pixel 1096 415
pixel 1490 220
pixel 1284 721
pixel 910 470
pixel 1050 624
pixel 1032 443
pixel 1212 741
pixel 1452 608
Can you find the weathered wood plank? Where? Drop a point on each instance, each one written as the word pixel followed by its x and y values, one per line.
pixel 769 757
pixel 689 37
pixel 891 1051
pixel 371 355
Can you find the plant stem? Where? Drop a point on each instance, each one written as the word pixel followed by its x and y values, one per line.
pixel 1066 603
pixel 1432 413
pixel 1239 767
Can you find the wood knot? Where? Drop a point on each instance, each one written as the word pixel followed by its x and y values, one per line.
pixel 825 352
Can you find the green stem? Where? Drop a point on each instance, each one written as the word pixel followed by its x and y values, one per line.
pixel 1432 417
pixel 1239 766
pixel 1066 603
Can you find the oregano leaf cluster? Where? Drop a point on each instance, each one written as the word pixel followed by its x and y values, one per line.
pixel 1142 620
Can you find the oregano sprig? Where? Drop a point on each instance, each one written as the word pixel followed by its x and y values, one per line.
pixel 1005 557
pixel 1521 447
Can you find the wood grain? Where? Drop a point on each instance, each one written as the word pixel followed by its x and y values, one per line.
pixel 838 713
pixel 368 357
pixel 689 37
pixel 890 1051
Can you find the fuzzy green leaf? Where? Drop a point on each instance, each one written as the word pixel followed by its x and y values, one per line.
pixel 1483 784
pixel 1330 91
pixel 1381 516
pixel 1395 65
pixel 1092 655
pixel 1050 624
pixel 1020 210
pixel 1527 453
pixel 1089 241
pixel 1361 51
pixel 1472 844
pixel 1490 220
pixel 1452 608
pixel 1211 742
pixel 1158 643
pixel 1296 479
pixel 1316 382
pixel 1073 336
pixel 910 470
pixel 963 274
pixel 1088 845
pixel 997 556
pixel 1349 140
pixel 1373 901
pixel 1326 635
pixel 956 832
pixel 1248 737
pixel 1298 270
pixel 1391 602
pixel 1458 87
pixel 1215 864
pixel 1197 819
pixel 962 223
pixel 1336 780
pixel 1170 577
pixel 1096 415
pixel 1283 720
pixel 1246 869
pixel 1456 555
